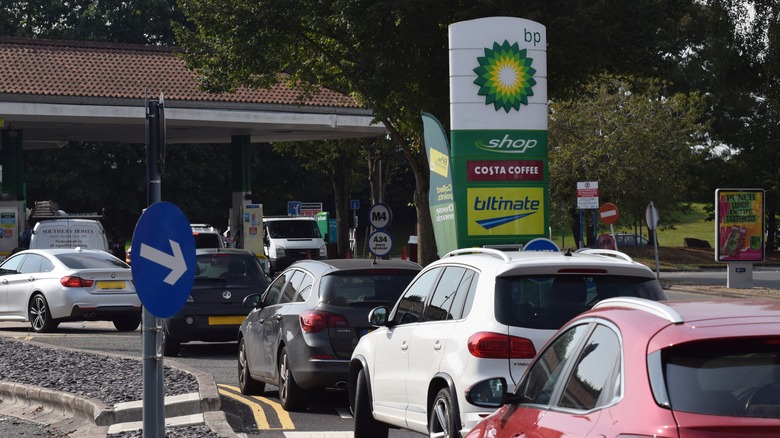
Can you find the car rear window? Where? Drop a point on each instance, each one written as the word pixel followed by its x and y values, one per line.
pixel 207 240
pixel 227 266
pixel 727 377
pixel 548 302
pixel 83 260
pixel 371 287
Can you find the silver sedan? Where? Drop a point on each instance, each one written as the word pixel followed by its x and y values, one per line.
pixel 49 286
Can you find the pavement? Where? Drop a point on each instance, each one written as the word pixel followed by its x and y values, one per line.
pixel 83 417
pixel 90 418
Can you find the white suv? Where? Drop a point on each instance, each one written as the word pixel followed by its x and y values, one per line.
pixel 476 313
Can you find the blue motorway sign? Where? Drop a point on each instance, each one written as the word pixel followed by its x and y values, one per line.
pixel 163 259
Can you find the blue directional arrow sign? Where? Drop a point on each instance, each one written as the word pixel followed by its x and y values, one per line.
pixel 163 259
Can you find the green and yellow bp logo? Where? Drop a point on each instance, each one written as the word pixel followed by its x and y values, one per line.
pixel 505 76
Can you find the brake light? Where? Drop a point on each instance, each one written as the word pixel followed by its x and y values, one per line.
pixel 313 321
pixel 70 281
pixel 489 345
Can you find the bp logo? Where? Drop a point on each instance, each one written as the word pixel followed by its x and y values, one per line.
pixel 505 76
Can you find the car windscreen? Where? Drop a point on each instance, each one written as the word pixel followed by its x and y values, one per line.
pixel 293 229
pixel 83 260
pixel 233 267
pixel 728 377
pixel 371 287
pixel 547 302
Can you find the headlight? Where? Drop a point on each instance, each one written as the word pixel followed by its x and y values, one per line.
pixel 280 251
pixel 323 251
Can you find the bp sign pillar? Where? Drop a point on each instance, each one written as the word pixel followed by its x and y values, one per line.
pixel 498 115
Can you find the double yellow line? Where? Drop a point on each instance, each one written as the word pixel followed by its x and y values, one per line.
pixel 256 404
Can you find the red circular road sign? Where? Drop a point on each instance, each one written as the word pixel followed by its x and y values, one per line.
pixel 608 213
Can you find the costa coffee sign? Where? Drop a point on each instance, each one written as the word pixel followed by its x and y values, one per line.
pixel 505 170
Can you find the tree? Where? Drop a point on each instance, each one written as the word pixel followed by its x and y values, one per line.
pixel 392 56
pixel 631 136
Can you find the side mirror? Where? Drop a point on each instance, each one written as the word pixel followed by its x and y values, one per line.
pixel 378 316
pixel 252 301
pixel 490 393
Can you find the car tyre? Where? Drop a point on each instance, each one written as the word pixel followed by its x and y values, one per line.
pixel 246 383
pixel 40 316
pixel 442 422
pixel 291 396
pixel 171 346
pixel 127 323
pixel 366 426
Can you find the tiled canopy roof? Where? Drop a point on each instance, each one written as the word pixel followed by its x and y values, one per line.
pixel 79 69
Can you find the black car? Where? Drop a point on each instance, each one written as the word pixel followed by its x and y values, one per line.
pixel 301 332
pixel 214 310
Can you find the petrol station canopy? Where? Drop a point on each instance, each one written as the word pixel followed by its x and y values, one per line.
pixel 57 92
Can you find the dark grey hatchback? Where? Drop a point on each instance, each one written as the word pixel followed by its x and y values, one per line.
pixel 301 331
pixel 214 309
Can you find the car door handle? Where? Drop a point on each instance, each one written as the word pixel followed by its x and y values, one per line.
pixel 30 278
pixel 5 281
pixel 278 317
pixel 437 345
pixel 404 346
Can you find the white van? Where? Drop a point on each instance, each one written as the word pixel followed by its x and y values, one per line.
pixel 288 239
pixel 69 233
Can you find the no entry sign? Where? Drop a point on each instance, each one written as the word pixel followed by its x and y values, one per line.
pixel 608 213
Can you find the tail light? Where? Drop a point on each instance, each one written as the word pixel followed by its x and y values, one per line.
pixel 313 321
pixel 71 281
pixel 489 345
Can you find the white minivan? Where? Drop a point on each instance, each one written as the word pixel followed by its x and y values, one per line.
pixel 69 233
pixel 288 239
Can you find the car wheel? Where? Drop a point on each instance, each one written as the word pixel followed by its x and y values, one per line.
pixel 40 316
pixel 366 426
pixel 127 323
pixel 171 346
pixel 246 383
pixel 442 421
pixel 292 396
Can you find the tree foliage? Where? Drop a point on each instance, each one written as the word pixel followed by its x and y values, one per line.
pixel 392 56
pixel 631 136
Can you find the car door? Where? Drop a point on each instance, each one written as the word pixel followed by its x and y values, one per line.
pixel 256 345
pixel 538 387
pixel 8 271
pixel 272 321
pixel 32 276
pixel 391 359
pixel 427 345
pixel 591 383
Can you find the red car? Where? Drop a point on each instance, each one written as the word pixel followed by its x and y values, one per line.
pixel 634 368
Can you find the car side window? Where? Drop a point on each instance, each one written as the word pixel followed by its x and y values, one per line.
pixel 465 295
pixel 11 266
pixel 304 289
pixel 410 305
pixel 274 292
pixel 34 264
pixel 544 374
pixel 444 295
pixel 290 289
pixel 588 386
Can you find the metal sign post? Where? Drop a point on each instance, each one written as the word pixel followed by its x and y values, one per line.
pixel 651 217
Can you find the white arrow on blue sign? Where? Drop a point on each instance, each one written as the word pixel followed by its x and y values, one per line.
pixel 163 259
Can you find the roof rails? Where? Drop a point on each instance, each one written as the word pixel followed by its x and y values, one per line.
pixel 653 307
pixel 605 252
pixel 490 251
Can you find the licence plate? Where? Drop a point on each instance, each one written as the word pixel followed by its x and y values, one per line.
pixel 111 284
pixel 226 320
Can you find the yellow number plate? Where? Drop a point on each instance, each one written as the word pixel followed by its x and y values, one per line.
pixel 226 320
pixel 111 284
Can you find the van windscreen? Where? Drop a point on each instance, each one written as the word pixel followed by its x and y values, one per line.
pixel 293 229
